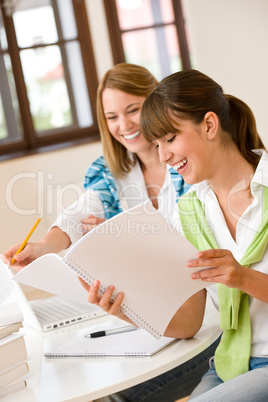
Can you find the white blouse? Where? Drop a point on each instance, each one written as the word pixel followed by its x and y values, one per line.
pixel 246 228
pixel 131 190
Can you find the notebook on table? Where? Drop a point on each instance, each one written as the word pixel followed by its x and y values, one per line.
pixel 138 343
pixel 47 313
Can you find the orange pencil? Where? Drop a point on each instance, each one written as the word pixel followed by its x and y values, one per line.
pixel 23 244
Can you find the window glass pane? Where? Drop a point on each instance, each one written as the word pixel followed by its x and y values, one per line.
pixel 3 126
pixel 141 13
pixel 156 49
pixel 79 85
pixel 173 49
pixel 46 87
pixel 3 39
pixel 134 13
pixel 67 20
pixel 16 132
pixel 10 119
pixel 167 11
pixel 31 20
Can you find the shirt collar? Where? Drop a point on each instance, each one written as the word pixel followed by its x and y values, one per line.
pixel 261 173
pixel 260 177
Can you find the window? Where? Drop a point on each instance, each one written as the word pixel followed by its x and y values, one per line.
pixel 48 76
pixel 150 33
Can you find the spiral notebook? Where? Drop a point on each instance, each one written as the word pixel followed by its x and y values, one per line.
pixel 139 252
pixel 137 343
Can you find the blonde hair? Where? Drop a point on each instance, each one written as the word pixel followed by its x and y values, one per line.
pixel 134 80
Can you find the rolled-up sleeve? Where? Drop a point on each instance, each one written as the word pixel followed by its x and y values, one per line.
pixel 69 221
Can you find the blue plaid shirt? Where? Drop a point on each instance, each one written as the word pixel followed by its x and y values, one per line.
pixel 100 179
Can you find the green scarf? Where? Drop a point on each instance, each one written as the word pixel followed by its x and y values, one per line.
pixel 233 353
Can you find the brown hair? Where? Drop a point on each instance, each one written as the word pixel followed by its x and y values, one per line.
pixel 189 95
pixel 134 80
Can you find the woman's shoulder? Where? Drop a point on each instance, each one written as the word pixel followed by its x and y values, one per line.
pixel 98 165
pixel 100 162
pixel 96 171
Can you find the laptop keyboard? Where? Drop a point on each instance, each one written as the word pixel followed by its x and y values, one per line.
pixel 54 312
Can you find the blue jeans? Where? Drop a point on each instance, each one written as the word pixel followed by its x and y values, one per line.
pixel 168 387
pixel 251 386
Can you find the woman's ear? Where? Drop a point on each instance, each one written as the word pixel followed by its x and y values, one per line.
pixel 211 124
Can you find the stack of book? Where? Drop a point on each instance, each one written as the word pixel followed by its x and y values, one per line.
pixel 13 352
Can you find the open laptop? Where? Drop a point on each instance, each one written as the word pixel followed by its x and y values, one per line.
pixel 47 313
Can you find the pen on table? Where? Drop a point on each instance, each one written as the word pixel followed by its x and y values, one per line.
pixel 111 331
pixel 23 244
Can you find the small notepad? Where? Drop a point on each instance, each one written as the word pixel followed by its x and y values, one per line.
pixel 138 343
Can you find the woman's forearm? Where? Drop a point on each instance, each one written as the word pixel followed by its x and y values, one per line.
pixel 55 241
pixel 188 319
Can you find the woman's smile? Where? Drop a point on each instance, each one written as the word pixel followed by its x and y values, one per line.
pixel 132 137
pixel 180 166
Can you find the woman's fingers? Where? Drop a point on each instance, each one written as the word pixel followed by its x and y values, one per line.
pixel 106 301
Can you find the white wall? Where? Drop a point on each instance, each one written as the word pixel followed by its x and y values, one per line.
pixel 229 42
pixel 42 183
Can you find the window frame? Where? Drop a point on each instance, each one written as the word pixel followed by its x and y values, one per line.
pixel 116 33
pixel 58 138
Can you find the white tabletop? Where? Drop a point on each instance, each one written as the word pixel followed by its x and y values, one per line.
pixel 85 379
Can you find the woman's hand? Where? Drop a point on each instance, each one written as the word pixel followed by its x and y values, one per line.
pixel 224 268
pixel 90 223
pixel 53 242
pixel 27 255
pixel 104 302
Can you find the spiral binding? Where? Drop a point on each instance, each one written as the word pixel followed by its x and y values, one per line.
pixel 95 355
pixel 139 321
pixel 83 274
pixel 125 309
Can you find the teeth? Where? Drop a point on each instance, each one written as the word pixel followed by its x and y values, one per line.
pixel 132 136
pixel 180 164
